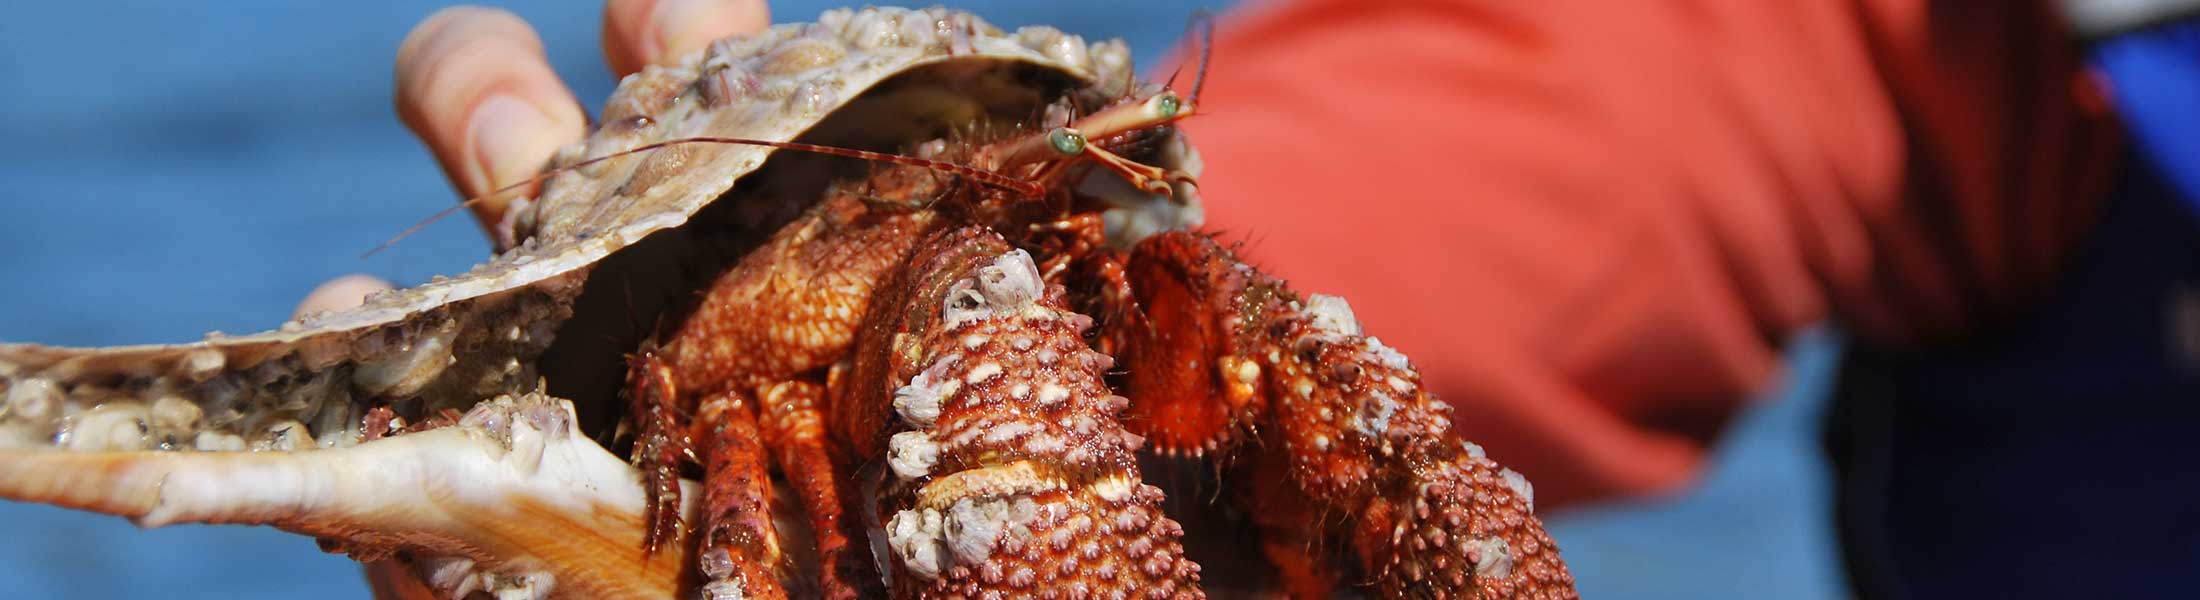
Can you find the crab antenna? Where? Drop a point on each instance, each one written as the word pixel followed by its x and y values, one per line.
pixel 438 216
pixel 1019 186
pixel 1205 22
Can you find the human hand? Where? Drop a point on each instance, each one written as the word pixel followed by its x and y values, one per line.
pixel 474 85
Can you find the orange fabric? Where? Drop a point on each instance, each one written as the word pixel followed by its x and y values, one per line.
pixel 1593 223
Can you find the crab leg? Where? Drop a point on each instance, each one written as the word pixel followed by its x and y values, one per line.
pixel 784 312
pixel 659 444
pixel 740 549
pixel 1307 563
pixel 513 489
pixel 1009 474
pixel 1342 417
pixel 794 425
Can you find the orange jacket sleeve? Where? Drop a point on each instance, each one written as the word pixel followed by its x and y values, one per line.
pixel 1593 224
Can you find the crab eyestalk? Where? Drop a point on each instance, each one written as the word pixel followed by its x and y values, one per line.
pixel 513 489
pixel 1088 137
pixel 1156 110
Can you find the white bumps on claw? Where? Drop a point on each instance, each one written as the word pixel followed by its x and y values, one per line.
pixel 1052 393
pixel 1113 489
pixel 982 373
pixel 1492 557
pixel 1385 355
pixel 1009 286
pixel 1012 280
pixel 1373 417
pixel 919 402
pixel 916 538
pixel 1520 487
pixel 911 454
pixel 964 304
pixel 717 564
pixel 975 526
pixel 928 541
pixel 1331 315
pixel 724 589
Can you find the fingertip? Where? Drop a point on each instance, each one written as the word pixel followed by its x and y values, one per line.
pixel 638 33
pixel 453 34
pixel 341 293
pixel 687 26
pixel 474 85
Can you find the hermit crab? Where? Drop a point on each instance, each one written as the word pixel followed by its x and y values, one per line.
pixel 893 303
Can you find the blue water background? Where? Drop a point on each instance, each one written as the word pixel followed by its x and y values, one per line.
pixel 170 168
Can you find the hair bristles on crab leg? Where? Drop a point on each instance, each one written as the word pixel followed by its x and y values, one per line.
pixel 513 486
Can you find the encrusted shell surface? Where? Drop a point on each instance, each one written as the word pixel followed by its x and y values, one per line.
pixel 454 341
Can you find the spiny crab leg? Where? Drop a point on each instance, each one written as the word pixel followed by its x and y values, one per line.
pixel 513 490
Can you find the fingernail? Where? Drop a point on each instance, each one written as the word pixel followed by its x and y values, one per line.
pixel 511 139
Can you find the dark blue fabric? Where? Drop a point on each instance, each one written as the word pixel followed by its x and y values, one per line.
pixel 2055 458
pixel 2156 75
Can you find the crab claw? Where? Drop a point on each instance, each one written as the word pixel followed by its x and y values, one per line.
pixel 1328 422
pixel 512 498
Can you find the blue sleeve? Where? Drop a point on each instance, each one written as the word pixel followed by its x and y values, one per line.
pixel 2155 73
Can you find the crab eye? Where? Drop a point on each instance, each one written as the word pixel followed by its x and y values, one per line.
pixel 1066 141
pixel 1167 104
